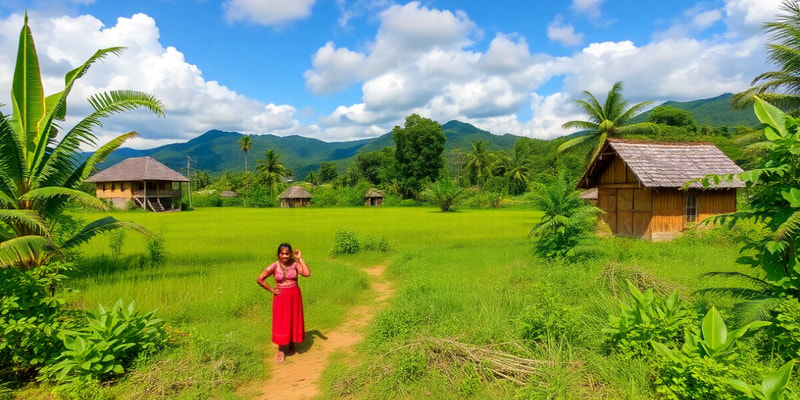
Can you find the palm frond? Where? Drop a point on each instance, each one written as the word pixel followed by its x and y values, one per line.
pixel 755 309
pixel 49 193
pixel 84 170
pixel 572 143
pixel 789 228
pixel 101 226
pixel 25 251
pixel 29 219
pixel 750 279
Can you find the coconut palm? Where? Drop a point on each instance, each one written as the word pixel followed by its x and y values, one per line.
pixel 39 174
pixel 271 169
pixel 479 163
pixel 516 165
pixel 444 193
pixel 780 88
pixel 607 120
pixel 245 143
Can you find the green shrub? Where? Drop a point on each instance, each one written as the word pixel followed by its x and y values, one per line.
pixel 376 243
pixel 345 241
pixel 111 340
pixel 650 319
pixel 81 389
pixel 30 318
pixel 116 239
pixel 206 200
pixel 156 251
pixel 783 336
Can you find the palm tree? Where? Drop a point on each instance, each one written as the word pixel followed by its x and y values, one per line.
pixel 608 119
pixel 479 162
pixel 780 88
pixel 40 175
pixel 516 165
pixel 566 220
pixel 444 193
pixel 245 143
pixel 271 168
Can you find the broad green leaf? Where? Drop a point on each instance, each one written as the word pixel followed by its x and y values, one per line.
pixel 741 386
pixel 774 383
pixel 715 333
pixel 792 196
pixel 773 117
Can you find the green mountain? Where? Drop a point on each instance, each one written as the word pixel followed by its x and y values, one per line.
pixel 715 111
pixel 216 151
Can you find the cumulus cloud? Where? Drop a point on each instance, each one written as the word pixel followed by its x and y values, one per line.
pixel 557 31
pixel 267 12
pixel 193 104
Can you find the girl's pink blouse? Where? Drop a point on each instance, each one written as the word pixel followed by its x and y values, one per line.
pixel 282 280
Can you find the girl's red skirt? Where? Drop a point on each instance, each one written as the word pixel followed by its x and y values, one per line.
pixel 287 317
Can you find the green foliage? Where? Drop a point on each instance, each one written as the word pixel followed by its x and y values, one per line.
pixel 703 366
pixel 345 241
pixel 783 336
pixel 776 207
pixel 773 387
pixel 116 239
pixel 650 319
pixel 30 318
pixel 156 251
pixel 566 220
pixel 110 342
pixel 608 119
pixel 418 153
pixel 668 115
pixel 81 389
pixel 444 194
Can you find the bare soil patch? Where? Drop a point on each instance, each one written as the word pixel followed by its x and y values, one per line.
pixel 298 377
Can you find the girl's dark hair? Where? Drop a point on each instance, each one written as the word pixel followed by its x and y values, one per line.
pixel 285 246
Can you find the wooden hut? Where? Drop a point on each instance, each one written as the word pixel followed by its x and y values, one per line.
pixel 295 196
pixel 140 182
pixel 373 197
pixel 640 186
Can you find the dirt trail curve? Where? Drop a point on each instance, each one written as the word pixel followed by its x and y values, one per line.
pixel 298 377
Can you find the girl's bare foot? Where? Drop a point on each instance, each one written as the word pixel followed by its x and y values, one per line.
pixel 280 357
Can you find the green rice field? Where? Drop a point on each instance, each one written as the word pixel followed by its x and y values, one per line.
pixel 469 276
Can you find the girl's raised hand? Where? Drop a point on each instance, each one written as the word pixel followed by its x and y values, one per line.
pixel 298 254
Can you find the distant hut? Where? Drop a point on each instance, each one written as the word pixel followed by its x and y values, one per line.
pixel 295 196
pixel 140 182
pixel 639 186
pixel 228 193
pixel 373 197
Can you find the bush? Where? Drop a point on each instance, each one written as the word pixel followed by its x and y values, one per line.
pixel 345 241
pixel 111 340
pixel 30 318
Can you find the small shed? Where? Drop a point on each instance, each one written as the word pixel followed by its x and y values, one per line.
pixel 141 182
pixel 295 196
pixel 640 186
pixel 373 197
pixel 589 196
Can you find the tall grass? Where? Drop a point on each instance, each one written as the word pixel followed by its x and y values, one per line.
pixel 469 276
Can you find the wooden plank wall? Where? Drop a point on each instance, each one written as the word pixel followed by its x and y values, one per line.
pixel 713 202
pixel 669 210
pixel 627 206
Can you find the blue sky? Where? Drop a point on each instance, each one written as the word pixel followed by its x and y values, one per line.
pixel 341 70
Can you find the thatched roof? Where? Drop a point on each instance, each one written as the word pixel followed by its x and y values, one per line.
pixel 137 169
pixel 663 165
pixel 227 193
pixel 295 192
pixel 373 193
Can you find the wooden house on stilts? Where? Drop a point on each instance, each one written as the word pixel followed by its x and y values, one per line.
pixel 640 186
pixel 140 182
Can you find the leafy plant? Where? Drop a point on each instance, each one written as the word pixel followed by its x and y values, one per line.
pixel 41 173
pixel 345 241
pixel 650 319
pixel 443 193
pixel 109 342
pixel 773 387
pixel 566 220
pixel 705 362
pixel 775 205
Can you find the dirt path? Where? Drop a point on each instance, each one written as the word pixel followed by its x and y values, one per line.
pixel 298 377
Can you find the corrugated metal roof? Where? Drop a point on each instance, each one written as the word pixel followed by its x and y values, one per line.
pixel 137 169
pixel 663 165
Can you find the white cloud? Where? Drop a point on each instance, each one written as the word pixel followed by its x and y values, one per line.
pixel 591 8
pixel 745 17
pixel 267 12
pixel 333 69
pixel 192 104
pixel 565 34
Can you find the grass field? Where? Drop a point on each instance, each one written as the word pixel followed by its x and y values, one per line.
pixel 469 276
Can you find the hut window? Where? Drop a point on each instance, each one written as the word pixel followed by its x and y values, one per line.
pixel 691 207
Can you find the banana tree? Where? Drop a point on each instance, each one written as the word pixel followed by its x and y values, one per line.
pixel 40 174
